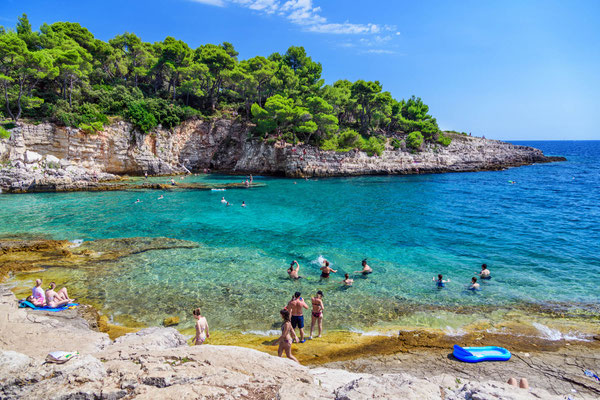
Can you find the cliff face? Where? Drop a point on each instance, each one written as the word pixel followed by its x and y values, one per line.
pixel 47 152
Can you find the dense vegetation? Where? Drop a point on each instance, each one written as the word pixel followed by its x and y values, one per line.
pixel 63 74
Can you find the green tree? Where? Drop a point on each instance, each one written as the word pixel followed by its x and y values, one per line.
pixel 414 140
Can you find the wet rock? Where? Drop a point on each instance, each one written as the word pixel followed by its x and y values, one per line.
pixel 170 321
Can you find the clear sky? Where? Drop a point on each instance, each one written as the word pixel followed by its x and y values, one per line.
pixel 507 69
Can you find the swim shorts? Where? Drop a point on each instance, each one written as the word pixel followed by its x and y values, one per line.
pixel 297 321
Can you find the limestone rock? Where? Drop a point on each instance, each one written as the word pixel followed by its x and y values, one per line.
pixel 151 338
pixel 391 386
pixel 32 157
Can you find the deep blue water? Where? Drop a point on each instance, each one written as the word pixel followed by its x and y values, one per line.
pixel 539 236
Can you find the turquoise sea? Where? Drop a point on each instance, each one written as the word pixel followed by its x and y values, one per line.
pixel 540 237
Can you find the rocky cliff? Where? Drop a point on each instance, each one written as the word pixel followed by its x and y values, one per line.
pixel 45 154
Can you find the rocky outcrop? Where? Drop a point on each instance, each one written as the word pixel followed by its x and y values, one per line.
pixel 157 363
pixel 47 157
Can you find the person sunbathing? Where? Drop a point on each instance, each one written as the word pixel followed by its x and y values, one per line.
pixel 57 299
pixel 38 298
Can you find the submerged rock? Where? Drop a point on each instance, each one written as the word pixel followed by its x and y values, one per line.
pixel 170 321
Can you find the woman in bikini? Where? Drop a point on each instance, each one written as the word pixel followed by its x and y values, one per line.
pixel 317 313
pixel 326 270
pixel 285 340
pixel 201 328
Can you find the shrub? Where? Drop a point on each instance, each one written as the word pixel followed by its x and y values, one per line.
pixel 330 144
pixel 414 140
pixel 4 134
pixel 92 128
pixel 349 139
pixel 444 140
pixel 396 144
pixel 139 115
pixel 85 113
pixel 374 145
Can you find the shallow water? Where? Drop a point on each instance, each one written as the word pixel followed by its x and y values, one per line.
pixel 539 236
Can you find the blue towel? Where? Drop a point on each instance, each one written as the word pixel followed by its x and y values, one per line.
pixel 26 304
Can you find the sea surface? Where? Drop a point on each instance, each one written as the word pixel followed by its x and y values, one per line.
pixel 537 228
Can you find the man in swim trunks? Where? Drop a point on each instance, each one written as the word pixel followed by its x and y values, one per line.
pixel 317 313
pixel 485 272
pixel 56 299
pixel 293 272
pixel 38 297
pixel 295 306
pixel 366 270
pixel 326 270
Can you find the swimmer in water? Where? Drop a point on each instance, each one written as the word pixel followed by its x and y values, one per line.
pixel 137 201
pixel 440 282
pixel 173 182
pixel 228 204
pixel 474 284
pixel 243 204
pixel 326 270
pixel 161 197
pixel 347 281
pixel 366 270
pixel 293 272
pixel 223 200
pixel 485 272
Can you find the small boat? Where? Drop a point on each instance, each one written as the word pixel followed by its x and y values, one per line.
pixel 477 354
pixel 217 190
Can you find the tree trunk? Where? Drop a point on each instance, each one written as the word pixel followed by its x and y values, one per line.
pixel 71 92
pixel 8 103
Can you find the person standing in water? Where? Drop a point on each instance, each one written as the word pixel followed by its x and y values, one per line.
pixel 285 340
pixel 326 270
pixel 223 200
pixel 366 270
pixel 201 328
pixel 474 284
pixel 317 313
pixel 296 307
pixel 347 281
pixel 440 282
pixel 293 272
pixel 485 272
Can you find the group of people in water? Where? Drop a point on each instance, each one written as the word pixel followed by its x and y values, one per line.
pixel 326 270
pixel 49 298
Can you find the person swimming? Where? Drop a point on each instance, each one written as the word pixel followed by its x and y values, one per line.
pixel 326 270
pixel 293 272
pixel 228 204
pixel 223 200
pixel 137 201
pixel 366 270
pixel 485 272
pixel 173 182
pixel 440 282
pixel 243 204
pixel 161 197
pixel 474 284
pixel 347 281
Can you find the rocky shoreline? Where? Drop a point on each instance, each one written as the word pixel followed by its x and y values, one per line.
pixel 158 363
pixel 47 158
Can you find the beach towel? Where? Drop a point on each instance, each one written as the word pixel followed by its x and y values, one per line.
pixel 28 304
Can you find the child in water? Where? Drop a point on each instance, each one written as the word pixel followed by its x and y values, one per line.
pixel 347 281
pixel 440 282
pixel 474 284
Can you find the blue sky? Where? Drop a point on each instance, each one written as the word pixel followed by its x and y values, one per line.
pixel 504 69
